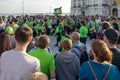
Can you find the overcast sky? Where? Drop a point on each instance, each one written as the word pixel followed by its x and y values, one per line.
pixel 34 6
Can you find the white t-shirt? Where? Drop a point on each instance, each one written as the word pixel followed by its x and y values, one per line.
pixel 18 65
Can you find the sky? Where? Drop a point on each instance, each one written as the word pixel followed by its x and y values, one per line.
pixel 34 6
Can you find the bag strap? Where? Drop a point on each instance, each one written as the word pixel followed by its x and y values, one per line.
pixel 107 72
pixel 92 70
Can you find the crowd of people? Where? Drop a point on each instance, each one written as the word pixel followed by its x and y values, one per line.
pixel 25 53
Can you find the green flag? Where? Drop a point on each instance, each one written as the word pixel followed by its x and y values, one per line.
pixel 57 11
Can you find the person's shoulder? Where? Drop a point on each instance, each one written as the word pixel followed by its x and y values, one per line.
pixel 73 54
pixel 65 54
pixel 85 65
pixel 59 56
pixel 113 67
pixel 33 50
pixel 49 54
pixel 79 45
pixel 7 53
pixel 31 58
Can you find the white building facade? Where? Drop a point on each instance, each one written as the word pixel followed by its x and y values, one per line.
pixel 115 7
pixel 90 7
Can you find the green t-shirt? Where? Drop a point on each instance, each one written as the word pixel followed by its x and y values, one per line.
pixel 21 22
pixel 56 30
pixel 94 24
pixel 49 22
pixel 25 25
pixel 83 31
pixel 30 24
pixel 119 25
pixel 42 28
pixel 73 23
pixel 15 26
pixel 46 59
pixel 63 37
pixel 37 21
pixel 10 30
pixel 63 23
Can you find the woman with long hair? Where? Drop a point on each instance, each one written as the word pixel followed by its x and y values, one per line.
pixel 5 42
pixel 100 68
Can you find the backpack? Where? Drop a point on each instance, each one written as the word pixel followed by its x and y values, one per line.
pixel 83 56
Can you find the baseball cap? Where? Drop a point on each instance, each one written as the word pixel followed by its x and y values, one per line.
pixel 112 35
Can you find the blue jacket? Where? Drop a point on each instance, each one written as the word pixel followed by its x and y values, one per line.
pixel 100 70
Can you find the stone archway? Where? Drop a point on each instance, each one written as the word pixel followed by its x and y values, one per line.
pixel 115 12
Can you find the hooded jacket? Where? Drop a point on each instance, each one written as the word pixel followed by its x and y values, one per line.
pixel 67 66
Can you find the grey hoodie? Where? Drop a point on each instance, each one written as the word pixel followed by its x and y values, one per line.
pixel 67 66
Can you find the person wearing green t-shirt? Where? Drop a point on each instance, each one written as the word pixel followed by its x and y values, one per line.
pixel 30 24
pixel 64 36
pixel 49 23
pixel 41 28
pixel 25 23
pixel 21 21
pixel 94 26
pixel 46 59
pixel 83 32
pixel 9 29
pixel 15 25
pixel 58 32
pixel 63 23
pixel 49 26
pixel 67 35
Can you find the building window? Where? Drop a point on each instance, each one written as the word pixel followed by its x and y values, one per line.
pixel 79 4
pixel 84 2
pixel 95 3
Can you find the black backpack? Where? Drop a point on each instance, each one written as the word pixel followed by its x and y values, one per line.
pixel 83 56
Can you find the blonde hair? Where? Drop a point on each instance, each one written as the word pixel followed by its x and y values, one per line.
pixel 105 25
pixel 66 44
pixel 38 76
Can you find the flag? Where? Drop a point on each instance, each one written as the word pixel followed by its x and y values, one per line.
pixel 58 11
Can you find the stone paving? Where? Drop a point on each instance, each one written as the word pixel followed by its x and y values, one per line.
pixel 55 48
